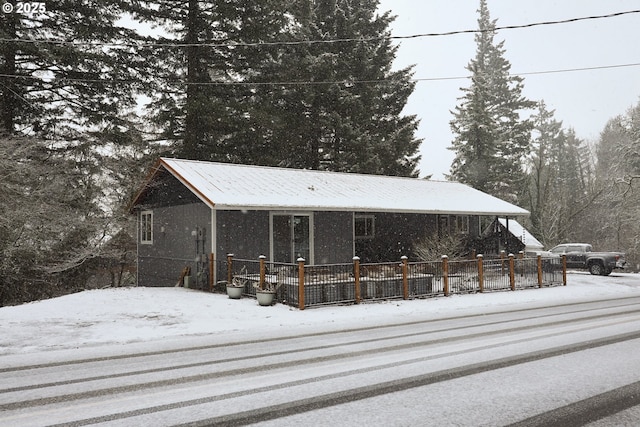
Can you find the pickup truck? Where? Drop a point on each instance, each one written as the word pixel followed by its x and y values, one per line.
pixel 581 255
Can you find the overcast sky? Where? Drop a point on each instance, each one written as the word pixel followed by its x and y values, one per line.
pixel 582 100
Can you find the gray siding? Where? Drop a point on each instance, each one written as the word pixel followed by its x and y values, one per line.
pixel 395 236
pixel 174 247
pixel 333 237
pixel 242 233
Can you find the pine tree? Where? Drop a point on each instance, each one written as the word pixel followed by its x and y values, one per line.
pixel 492 140
pixel 341 108
pixel 69 73
pixel 62 72
pixel 618 183
pixel 203 62
pixel 548 146
pixel 50 220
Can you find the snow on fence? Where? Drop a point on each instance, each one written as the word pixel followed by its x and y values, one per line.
pixel 303 286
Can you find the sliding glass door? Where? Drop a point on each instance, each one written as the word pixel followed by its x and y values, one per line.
pixel 291 237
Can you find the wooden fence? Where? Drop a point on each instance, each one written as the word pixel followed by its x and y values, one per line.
pixel 303 286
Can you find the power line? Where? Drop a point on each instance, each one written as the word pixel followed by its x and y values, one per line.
pixel 321 82
pixel 343 40
pixel 533 73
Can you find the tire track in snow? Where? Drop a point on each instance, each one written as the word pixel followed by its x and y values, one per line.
pixel 312 360
pixel 201 363
pixel 587 410
pixel 625 302
pixel 332 399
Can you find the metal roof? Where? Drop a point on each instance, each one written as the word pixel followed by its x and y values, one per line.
pixel 232 186
pixel 522 234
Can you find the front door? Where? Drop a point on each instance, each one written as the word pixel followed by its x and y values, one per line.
pixel 291 237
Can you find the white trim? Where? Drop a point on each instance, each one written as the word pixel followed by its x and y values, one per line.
pixel 138 251
pixel 214 244
pixel 142 240
pixel 353 233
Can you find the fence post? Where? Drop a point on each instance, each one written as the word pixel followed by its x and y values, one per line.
pixel 480 273
pixel 229 268
pixel 564 270
pixel 512 273
pixel 539 270
pixel 405 279
pixel 301 283
pixel 262 271
pixel 502 256
pixel 356 278
pixel 445 275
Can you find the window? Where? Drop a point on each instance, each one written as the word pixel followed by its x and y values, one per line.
pixel 291 237
pixel 364 226
pixel 146 227
pixel 462 224
pixel 443 225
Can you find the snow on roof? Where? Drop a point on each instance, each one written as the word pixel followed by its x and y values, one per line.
pixel 522 233
pixel 233 186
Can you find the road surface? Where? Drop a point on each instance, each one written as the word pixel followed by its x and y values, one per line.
pixel 570 364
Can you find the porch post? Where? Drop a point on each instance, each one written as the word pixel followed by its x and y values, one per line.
pixel 480 273
pixel 356 277
pixel 512 275
pixel 229 268
pixel 301 283
pixel 405 279
pixel 539 270
pixel 445 275
pixel 564 269
pixel 212 269
pixel 262 271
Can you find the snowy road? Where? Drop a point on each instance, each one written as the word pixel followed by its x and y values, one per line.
pixel 562 365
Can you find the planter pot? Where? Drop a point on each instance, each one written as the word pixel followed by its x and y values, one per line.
pixel 234 292
pixel 265 297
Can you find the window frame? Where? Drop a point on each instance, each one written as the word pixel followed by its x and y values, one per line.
pixel 369 226
pixel 462 224
pixel 146 227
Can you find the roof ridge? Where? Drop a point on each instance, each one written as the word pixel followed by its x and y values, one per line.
pixel 242 165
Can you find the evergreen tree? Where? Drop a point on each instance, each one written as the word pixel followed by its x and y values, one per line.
pixel 68 75
pixel 343 111
pixel 61 71
pixel 491 139
pixel 547 146
pixel 49 218
pixel 617 205
pixel 204 60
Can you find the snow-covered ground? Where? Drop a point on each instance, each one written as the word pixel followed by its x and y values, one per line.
pixel 139 315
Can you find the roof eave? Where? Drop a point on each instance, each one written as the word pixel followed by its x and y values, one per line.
pixel 318 208
pixel 153 173
pixel 187 184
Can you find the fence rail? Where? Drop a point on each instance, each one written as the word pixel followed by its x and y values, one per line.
pixel 303 286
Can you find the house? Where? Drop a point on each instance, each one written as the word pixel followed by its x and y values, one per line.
pixel 190 212
pixel 508 235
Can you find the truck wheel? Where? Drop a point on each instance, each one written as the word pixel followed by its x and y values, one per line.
pixel 596 269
